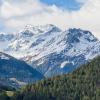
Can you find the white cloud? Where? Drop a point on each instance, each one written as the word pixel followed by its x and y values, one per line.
pixel 89 16
pixel 17 15
pixel 11 9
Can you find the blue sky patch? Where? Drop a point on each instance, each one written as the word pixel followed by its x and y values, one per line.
pixel 65 4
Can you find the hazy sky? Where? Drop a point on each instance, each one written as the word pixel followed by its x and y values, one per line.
pixel 16 14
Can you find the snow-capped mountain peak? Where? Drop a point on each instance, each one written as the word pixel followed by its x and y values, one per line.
pixel 76 35
pixel 31 30
pixel 51 50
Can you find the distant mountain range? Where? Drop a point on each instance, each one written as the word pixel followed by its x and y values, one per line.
pixel 50 50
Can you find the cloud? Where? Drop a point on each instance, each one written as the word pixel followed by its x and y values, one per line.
pixel 16 15
pixel 11 9
pixel 89 16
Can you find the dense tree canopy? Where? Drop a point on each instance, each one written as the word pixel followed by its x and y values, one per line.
pixel 82 84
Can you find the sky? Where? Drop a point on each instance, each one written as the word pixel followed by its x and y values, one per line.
pixel 64 4
pixel 16 14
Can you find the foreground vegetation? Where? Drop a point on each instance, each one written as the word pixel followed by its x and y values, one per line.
pixel 82 84
pixel 6 92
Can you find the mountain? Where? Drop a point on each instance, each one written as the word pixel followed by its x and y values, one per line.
pixel 15 73
pixel 5 39
pixel 82 84
pixel 51 50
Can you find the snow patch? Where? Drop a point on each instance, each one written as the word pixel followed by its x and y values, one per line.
pixel 19 82
pixel 64 63
pixel 2 56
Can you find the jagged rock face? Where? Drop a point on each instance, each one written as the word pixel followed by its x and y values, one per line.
pixel 17 72
pixel 53 51
pixel 74 36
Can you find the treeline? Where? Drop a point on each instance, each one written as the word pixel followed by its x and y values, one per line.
pixel 82 84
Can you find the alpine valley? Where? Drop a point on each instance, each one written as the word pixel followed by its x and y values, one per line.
pixel 36 52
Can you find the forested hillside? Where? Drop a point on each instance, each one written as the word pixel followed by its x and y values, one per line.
pixel 82 84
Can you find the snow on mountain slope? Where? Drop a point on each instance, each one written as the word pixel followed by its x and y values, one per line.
pixel 35 43
pixel 48 48
pixel 3 56
pixel 5 39
pixel 93 51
